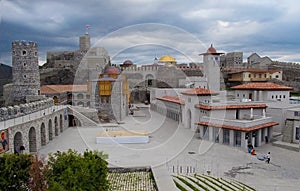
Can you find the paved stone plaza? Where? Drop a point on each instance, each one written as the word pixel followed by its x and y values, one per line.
pixel 174 149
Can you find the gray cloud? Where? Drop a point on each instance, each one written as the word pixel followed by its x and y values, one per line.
pixel 268 27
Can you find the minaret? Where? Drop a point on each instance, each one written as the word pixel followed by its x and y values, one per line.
pixel 211 62
pixel 25 70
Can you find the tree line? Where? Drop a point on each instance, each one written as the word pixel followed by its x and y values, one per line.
pixel 62 171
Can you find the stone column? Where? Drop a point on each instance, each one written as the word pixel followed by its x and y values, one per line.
pixel 264 113
pixel 253 141
pixel 201 131
pixel 221 136
pixel 255 95
pixel 231 137
pixel 260 98
pixel 258 136
pixel 244 141
pixel 211 134
pixel 270 134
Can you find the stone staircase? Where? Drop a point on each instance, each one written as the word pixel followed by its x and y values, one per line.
pixel 201 182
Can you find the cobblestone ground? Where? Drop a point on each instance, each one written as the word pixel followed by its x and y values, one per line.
pixel 129 181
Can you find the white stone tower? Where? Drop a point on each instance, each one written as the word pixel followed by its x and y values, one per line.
pixel 211 62
pixel 25 70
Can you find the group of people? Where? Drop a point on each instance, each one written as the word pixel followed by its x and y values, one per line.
pixel 266 158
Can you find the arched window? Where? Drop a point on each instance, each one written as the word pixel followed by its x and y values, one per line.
pixel 24 53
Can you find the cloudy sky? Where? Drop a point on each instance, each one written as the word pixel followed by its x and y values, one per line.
pixel 139 30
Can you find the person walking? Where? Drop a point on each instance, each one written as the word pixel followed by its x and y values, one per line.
pixel 268 157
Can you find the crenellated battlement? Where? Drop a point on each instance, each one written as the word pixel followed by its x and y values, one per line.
pixel 23 44
pixel 142 68
pixel 15 111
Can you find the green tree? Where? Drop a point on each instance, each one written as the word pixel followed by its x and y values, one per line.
pixel 73 171
pixel 15 172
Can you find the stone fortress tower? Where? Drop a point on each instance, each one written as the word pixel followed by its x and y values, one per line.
pixel 85 42
pixel 25 70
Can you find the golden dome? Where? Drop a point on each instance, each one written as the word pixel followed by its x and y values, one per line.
pixel 167 59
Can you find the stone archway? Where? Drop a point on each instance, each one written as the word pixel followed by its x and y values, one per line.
pixel 32 140
pixel 56 126
pixel 61 123
pixel 189 118
pixel 150 80
pixel 43 134
pixel 50 130
pixel 18 141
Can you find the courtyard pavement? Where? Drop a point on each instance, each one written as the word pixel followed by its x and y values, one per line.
pixel 173 149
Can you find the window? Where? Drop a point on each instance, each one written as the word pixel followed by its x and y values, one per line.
pixel 237 95
pixel 24 52
pixel 283 96
pixel 24 76
pixel 276 76
pixel 249 75
pixel 24 64
pixel 296 113
pixel 237 138
pixel 297 133
pixel 272 97
pixel 35 54
pixel 243 95
pixel 216 58
pixel 226 136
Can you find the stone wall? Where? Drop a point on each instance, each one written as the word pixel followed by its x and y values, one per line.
pixel 36 133
pixel 287 131
pixel 15 111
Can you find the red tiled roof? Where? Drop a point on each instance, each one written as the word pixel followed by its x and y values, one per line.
pixel 261 86
pixel 173 99
pixel 253 128
pixel 199 91
pixel 56 89
pixel 228 107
